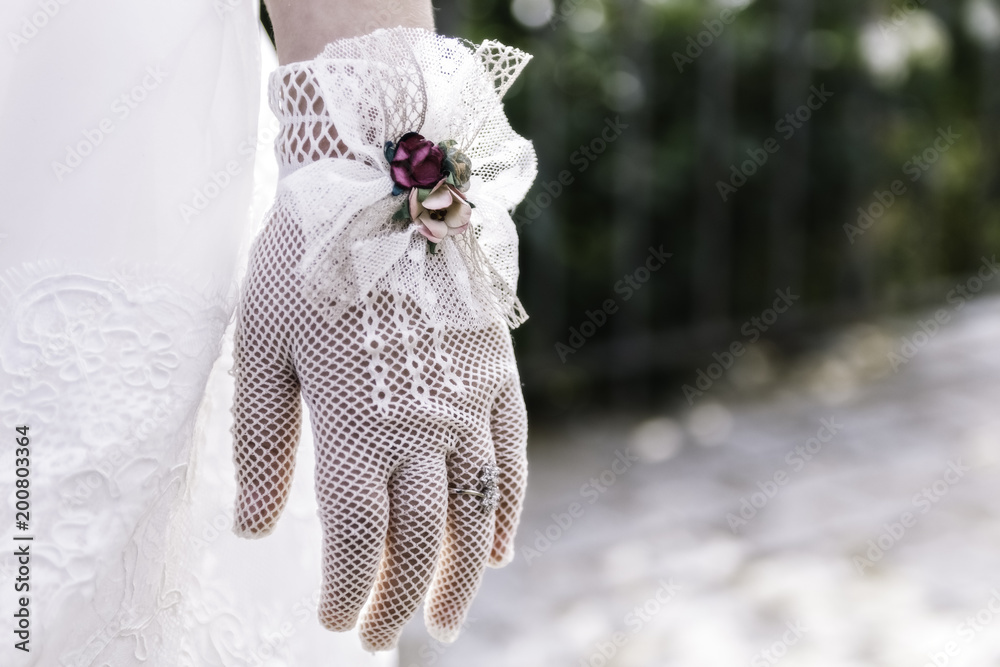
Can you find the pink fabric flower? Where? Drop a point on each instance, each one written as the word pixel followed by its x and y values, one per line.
pixel 416 163
pixel 443 212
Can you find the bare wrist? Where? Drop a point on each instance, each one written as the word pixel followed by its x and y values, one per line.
pixel 302 28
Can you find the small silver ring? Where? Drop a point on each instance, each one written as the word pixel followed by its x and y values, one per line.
pixel 487 492
pixel 467 492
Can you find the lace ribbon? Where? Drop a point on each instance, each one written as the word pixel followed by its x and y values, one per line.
pixel 338 110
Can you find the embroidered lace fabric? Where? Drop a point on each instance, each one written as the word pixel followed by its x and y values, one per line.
pixel 338 110
pixel 403 358
pixel 118 276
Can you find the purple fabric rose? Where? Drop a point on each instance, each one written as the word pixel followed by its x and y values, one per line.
pixel 417 162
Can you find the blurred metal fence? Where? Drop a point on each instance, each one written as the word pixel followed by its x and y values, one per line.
pixel 758 142
pixel 796 220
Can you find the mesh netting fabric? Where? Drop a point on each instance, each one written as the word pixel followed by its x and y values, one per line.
pixel 404 358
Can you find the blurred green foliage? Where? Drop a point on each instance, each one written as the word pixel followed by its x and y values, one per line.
pixel 898 72
pixel 699 84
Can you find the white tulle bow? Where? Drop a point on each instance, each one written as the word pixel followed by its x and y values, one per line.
pixel 338 110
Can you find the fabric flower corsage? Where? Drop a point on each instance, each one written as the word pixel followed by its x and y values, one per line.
pixel 435 176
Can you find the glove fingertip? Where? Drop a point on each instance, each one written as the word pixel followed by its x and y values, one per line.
pixel 445 635
pixel 501 557
pixel 378 641
pixel 252 532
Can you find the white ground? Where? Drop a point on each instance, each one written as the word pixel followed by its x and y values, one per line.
pixel 663 521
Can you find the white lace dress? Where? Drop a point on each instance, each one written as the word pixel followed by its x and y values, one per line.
pixel 129 134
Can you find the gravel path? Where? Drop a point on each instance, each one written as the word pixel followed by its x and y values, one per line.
pixel 875 543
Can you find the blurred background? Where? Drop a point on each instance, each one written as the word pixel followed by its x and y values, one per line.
pixel 689 92
pixel 700 96
pixel 760 363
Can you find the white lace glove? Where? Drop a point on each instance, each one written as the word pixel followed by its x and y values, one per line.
pixel 409 374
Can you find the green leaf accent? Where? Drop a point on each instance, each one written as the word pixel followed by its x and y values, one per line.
pixel 433 247
pixel 422 194
pixel 402 214
pixel 457 164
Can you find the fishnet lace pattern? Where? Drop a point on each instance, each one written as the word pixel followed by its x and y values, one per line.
pixel 336 113
pixel 402 405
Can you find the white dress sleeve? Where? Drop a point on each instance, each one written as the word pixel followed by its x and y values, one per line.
pixel 129 132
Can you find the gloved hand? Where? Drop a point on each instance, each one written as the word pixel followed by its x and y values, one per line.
pixel 398 418
pixel 400 349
